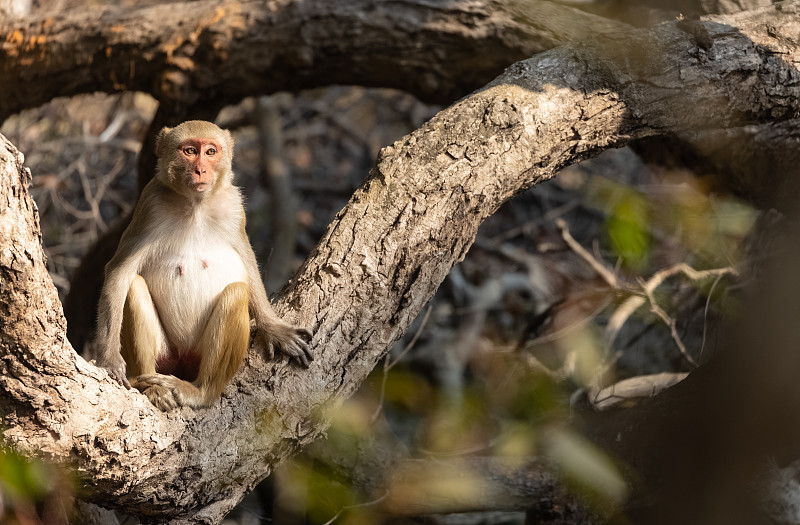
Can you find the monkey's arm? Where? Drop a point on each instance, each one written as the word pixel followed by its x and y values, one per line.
pixel 119 274
pixel 271 330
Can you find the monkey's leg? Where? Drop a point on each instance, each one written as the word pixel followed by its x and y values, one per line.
pixel 223 344
pixel 222 347
pixel 142 338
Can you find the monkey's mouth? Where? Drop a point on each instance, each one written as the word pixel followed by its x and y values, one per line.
pixel 200 187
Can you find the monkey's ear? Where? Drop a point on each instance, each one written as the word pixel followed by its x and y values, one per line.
pixel 228 142
pixel 161 142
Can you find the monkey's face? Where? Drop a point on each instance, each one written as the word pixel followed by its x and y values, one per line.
pixel 194 158
pixel 199 158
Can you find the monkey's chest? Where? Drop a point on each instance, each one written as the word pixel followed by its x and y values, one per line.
pixel 185 282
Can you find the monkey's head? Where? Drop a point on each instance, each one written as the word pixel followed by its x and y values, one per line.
pixel 194 158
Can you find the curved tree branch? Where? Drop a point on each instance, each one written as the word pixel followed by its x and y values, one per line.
pixel 380 261
pixel 181 52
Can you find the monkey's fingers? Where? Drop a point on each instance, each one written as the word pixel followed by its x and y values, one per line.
pixel 305 333
pixel 300 351
pixel 147 380
pixel 160 390
pixel 161 397
pixel 118 375
pixel 268 346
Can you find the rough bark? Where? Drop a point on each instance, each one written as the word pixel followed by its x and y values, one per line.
pixel 380 261
pixel 182 52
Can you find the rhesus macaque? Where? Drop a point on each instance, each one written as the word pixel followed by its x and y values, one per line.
pixel 174 314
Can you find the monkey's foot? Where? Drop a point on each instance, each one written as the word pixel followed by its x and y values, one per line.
pixel 168 392
pixel 116 371
pixel 289 339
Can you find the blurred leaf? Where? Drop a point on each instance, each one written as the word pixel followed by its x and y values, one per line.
pixel 581 348
pixel 323 497
pixel 22 478
pixel 628 228
pixel 354 417
pixel 518 441
pixel 459 423
pixel 536 398
pixel 446 485
pixel 410 390
pixel 734 217
pixel 586 467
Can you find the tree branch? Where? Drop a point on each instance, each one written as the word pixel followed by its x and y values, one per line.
pixel 181 52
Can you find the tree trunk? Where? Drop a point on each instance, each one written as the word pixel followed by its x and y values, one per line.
pixel 381 260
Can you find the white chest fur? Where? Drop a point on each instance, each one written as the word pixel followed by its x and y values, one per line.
pixel 187 272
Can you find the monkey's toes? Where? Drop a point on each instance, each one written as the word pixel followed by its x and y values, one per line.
pixel 300 351
pixel 118 375
pixel 147 380
pixel 161 397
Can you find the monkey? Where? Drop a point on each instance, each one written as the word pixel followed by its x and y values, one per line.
pixel 174 311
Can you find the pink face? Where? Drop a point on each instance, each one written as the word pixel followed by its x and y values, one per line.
pixel 201 155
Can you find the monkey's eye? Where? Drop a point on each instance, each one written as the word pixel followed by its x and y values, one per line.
pixel 191 150
pixel 211 152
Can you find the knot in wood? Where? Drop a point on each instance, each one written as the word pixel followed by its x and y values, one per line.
pixel 500 114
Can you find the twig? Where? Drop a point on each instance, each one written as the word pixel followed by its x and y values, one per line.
pixel 90 198
pixel 633 303
pixel 608 276
pixel 113 128
pixel 656 309
pixel 705 312
pixel 72 210
pixel 559 333
pixel 621 316
pixel 413 341
pixel 108 178
pixel 357 505
pixel 547 217
pixel 693 275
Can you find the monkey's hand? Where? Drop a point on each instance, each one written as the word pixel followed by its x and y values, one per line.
pixel 289 339
pixel 115 366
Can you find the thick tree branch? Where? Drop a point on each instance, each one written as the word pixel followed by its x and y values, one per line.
pixel 381 260
pixel 181 52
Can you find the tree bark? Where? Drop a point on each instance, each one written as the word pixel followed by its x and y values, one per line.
pixel 381 260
